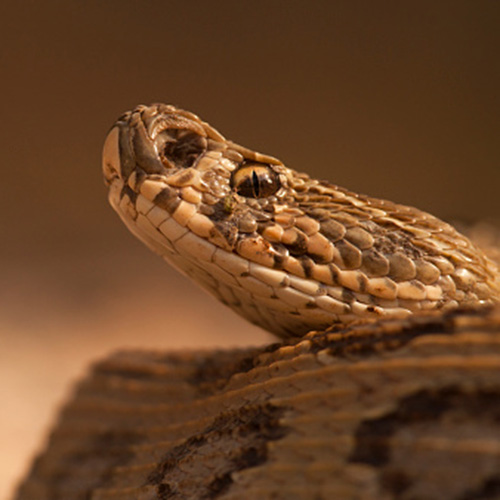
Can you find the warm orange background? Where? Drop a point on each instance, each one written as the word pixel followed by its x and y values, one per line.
pixel 394 99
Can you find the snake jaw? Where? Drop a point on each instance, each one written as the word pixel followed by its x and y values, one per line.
pixel 287 252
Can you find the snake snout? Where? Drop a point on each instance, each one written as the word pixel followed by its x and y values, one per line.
pixel 111 164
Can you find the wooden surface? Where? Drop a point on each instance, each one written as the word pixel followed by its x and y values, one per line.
pixel 396 410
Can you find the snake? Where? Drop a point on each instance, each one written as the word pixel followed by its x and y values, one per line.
pixel 385 382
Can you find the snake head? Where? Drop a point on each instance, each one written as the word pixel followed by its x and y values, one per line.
pixel 169 157
pixel 285 251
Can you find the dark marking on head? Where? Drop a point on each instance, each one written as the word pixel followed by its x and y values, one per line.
pixel 146 155
pixel 307 264
pixel 226 231
pixel 319 259
pixel 298 246
pixel 224 208
pixel 167 199
pixel 126 152
pixel 127 191
pixel 351 255
pixel 334 273
pixel 140 177
pixel 374 263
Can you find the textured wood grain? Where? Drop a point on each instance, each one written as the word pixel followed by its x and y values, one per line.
pixel 397 410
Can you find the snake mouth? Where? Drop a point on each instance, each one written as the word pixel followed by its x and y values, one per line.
pixel 111 164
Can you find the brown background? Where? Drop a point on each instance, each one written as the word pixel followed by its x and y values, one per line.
pixel 394 99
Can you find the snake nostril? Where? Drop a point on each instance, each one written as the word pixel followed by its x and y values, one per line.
pixel 183 148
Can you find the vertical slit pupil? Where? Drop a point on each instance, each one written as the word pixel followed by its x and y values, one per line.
pixel 255 182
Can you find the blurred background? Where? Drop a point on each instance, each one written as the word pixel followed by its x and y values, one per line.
pixel 395 99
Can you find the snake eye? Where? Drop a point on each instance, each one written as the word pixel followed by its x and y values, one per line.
pixel 183 147
pixel 255 180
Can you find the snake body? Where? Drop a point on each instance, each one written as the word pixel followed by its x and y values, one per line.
pixel 393 394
